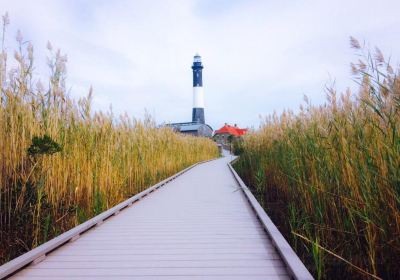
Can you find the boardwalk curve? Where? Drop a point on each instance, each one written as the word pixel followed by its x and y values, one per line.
pixel 201 225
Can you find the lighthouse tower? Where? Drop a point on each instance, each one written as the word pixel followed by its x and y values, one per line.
pixel 198 93
pixel 197 126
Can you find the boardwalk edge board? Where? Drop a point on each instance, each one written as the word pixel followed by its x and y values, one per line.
pixel 39 253
pixel 295 266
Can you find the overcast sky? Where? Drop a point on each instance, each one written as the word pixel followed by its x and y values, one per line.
pixel 258 56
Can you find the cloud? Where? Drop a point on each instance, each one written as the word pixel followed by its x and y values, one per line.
pixel 259 56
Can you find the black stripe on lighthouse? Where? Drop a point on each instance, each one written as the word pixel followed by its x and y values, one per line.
pixel 197 76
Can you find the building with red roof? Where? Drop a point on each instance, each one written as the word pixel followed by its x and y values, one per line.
pixel 227 132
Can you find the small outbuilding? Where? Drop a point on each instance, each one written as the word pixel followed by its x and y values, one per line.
pixel 193 128
pixel 227 133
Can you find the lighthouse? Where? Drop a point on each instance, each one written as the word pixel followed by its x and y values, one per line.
pixel 197 126
pixel 198 93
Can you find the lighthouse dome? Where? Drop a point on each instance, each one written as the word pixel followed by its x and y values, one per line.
pixel 197 58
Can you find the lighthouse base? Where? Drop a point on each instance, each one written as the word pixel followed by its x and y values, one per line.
pixel 198 115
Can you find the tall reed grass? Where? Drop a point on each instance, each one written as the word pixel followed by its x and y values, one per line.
pixel 329 175
pixel 61 163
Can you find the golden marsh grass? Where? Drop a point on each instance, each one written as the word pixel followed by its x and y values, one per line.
pixel 61 163
pixel 329 175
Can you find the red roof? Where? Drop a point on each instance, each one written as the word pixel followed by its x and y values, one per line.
pixel 232 130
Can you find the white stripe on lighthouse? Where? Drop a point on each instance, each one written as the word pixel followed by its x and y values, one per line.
pixel 198 97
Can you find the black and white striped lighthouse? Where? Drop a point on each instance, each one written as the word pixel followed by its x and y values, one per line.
pixel 198 93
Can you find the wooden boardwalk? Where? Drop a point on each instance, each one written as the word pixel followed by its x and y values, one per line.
pixel 198 226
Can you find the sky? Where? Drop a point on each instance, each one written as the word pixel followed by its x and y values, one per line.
pixel 259 57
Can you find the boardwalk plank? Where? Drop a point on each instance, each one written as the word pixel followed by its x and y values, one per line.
pixel 155 271
pixel 161 277
pixel 168 246
pixel 162 257
pixel 160 264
